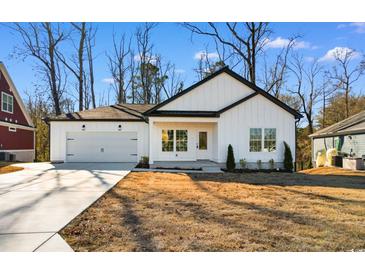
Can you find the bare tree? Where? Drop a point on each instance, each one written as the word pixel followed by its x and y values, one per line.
pixel 328 91
pixel 133 79
pixel 208 64
pixel 274 75
pixel 344 74
pixel 40 41
pixel 173 83
pixel 307 87
pixel 246 40
pixel 90 44
pixel 75 64
pixel 118 67
pixel 145 59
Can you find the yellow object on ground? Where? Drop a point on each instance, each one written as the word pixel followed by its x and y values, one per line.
pixel 321 158
pixel 331 152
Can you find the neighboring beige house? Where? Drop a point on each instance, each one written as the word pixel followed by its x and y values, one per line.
pixel 196 124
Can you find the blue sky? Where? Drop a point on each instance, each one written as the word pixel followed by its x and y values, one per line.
pixel 176 44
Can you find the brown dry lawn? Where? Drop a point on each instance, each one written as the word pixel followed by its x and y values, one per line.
pixel 225 212
pixel 7 168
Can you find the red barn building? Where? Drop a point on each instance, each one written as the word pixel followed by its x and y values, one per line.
pixel 16 127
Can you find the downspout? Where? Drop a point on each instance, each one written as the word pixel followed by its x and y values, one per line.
pixel 46 120
pixel 34 147
pixel 295 149
pixel 312 152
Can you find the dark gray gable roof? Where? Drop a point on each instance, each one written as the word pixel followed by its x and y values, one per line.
pixel 341 127
pixel 118 112
pixel 237 77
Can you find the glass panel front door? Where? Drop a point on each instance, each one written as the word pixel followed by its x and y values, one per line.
pixel 203 140
pixel 203 145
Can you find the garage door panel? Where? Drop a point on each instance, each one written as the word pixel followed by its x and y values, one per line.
pixel 101 147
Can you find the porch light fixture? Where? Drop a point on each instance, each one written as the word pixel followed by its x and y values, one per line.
pixel 119 127
pixel 83 127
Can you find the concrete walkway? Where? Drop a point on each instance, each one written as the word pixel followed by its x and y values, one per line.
pixel 40 200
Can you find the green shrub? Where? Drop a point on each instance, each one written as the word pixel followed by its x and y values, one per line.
pixel 288 158
pixel 144 160
pixel 231 163
pixel 272 164
pixel 243 163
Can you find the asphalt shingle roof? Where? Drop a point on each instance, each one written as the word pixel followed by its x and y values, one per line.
pixel 119 112
pixel 342 126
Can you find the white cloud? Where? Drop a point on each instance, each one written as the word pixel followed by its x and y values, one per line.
pixel 309 59
pixel 150 59
pixel 280 42
pixel 108 80
pixel 203 55
pixel 359 27
pixel 339 52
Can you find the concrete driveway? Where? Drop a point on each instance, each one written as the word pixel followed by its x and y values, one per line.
pixel 40 200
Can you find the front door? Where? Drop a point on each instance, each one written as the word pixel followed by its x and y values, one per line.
pixel 203 145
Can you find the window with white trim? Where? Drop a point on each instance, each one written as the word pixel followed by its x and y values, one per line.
pixel 12 129
pixel 167 140
pixel 262 142
pixel 181 140
pixel 7 102
pixel 255 139
pixel 270 139
pixel 174 140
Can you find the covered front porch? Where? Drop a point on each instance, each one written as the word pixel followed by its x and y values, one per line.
pixel 182 140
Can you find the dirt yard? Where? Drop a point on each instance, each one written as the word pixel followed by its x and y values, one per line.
pixel 225 212
pixel 7 168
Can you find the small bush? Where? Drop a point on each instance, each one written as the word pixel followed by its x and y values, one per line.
pixel 243 163
pixel 144 160
pixel 272 164
pixel 288 158
pixel 231 163
pixel 259 164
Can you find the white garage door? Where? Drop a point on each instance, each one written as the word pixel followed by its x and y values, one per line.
pixel 101 147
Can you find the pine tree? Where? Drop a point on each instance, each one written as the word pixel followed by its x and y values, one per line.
pixel 231 163
pixel 288 158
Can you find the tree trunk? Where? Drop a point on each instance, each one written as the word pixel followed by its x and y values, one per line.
pixel 81 65
pixel 52 71
pixel 347 101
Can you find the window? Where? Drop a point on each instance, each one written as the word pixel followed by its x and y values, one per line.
pixel 6 102
pixel 167 140
pixel 12 129
pixel 181 140
pixel 203 144
pixel 270 139
pixel 170 144
pixel 255 139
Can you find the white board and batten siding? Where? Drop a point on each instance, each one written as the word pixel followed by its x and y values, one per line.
pixel 213 95
pixel 98 135
pixel 258 112
pixel 233 126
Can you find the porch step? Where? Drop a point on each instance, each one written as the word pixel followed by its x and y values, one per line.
pixel 212 169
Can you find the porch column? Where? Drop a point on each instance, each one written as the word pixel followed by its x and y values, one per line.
pixel 150 137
